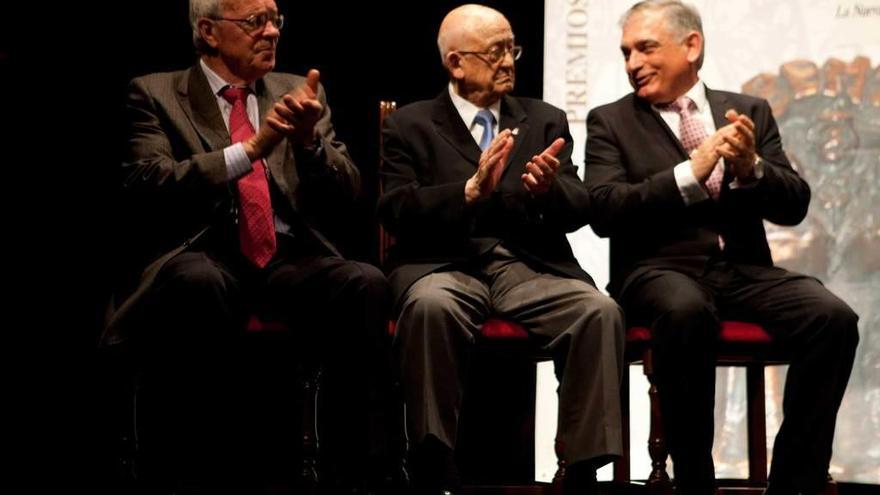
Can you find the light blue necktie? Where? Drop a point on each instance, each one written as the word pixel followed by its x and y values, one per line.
pixel 487 120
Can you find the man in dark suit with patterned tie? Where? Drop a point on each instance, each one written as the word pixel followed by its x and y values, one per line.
pixel 236 175
pixel 480 192
pixel 682 178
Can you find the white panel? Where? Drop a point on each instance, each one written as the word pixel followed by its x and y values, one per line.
pixel 546 407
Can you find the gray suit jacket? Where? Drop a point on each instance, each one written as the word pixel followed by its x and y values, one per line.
pixel 174 178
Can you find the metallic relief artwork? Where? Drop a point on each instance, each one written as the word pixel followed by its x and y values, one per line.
pixel 829 118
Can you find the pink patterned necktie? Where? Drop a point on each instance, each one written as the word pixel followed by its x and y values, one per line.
pixel 692 133
pixel 256 225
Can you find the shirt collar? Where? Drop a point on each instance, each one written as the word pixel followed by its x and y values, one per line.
pixel 468 110
pixel 697 94
pixel 215 81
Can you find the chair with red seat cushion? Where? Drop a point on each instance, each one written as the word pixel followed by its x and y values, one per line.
pixel 122 399
pixel 310 385
pixel 740 344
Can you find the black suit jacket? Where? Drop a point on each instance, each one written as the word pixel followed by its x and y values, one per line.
pixel 630 157
pixel 175 187
pixel 429 155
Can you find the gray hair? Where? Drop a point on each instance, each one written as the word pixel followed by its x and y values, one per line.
pixel 682 18
pixel 197 10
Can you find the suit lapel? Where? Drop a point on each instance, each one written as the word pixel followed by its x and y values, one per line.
pixel 653 123
pixel 450 127
pixel 200 105
pixel 513 117
pixel 719 105
pixel 267 94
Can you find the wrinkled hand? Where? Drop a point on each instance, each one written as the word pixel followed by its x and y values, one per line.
pixel 541 171
pixel 492 162
pixel 705 156
pixel 294 115
pixel 298 111
pixel 738 149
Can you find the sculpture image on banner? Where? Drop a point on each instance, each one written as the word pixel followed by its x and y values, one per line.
pixel 829 118
pixel 818 64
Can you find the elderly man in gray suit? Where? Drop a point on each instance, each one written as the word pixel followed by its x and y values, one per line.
pixel 480 191
pixel 235 174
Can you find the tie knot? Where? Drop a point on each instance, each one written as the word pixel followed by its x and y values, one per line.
pixel 232 94
pixel 682 104
pixel 485 118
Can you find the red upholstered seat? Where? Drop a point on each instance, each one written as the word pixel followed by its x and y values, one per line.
pixel 740 344
pixel 731 331
pixel 255 324
pixel 493 329
pixel 498 329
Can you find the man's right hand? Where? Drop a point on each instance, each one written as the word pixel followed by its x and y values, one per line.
pixel 705 156
pixel 492 163
pixel 293 115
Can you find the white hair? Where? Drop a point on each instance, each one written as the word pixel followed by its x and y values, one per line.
pixel 197 10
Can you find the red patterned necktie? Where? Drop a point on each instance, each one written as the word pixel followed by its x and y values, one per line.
pixel 256 227
pixel 692 133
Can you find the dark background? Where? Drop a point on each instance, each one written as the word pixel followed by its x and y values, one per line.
pixel 366 53
pixel 63 74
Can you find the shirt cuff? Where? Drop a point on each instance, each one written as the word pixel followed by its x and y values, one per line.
pixel 237 162
pixel 690 189
pixel 312 152
pixel 757 174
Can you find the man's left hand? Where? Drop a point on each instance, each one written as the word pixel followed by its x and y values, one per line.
pixel 298 111
pixel 738 150
pixel 541 170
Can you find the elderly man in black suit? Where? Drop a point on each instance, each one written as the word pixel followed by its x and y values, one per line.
pixel 682 178
pixel 480 192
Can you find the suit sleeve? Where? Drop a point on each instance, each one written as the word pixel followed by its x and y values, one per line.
pixel 328 168
pixel 409 206
pixel 618 204
pixel 566 206
pixel 150 169
pixel 781 195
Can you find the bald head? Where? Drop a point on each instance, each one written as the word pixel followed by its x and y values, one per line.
pixel 467 26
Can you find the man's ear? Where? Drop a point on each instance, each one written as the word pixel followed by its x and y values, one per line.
pixel 694 43
pixel 453 65
pixel 206 31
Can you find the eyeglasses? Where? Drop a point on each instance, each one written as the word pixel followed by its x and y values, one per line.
pixel 497 53
pixel 256 23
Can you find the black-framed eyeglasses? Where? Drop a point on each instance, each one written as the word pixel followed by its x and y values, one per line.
pixel 256 23
pixel 497 53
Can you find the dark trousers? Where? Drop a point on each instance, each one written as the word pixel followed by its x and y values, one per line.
pixel 220 406
pixel 683 303
pixel 441 314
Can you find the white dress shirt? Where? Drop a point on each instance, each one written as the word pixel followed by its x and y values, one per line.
pixel 468 111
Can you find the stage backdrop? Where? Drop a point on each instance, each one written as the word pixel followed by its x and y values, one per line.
pixel 816 61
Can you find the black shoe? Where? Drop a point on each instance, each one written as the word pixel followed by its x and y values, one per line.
pixel 433 469
pixel 580 479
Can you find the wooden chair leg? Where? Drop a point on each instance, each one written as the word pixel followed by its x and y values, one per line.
pixel 757 425
pixel 556 486
pixel 831 487
pixel 622 465
pixel 309 477
pixel 658 482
